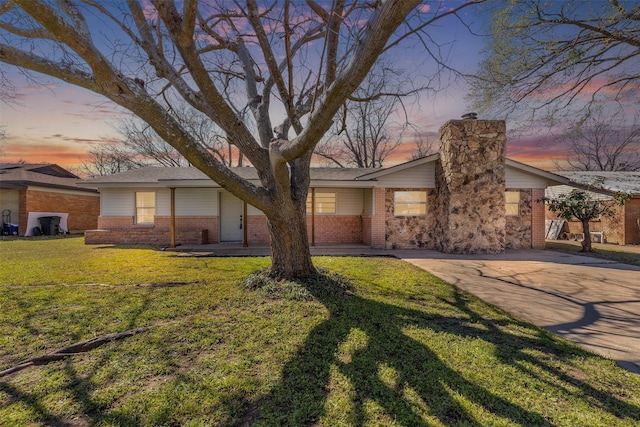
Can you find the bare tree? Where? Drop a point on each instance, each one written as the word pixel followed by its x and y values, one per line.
pixel 3 138
pixel 221 59
pixel 107 159
pixel 547 56
pixel 365 134
pixel 603 143
pixel 424 146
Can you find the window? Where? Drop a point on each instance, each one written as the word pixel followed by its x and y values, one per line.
pixel 145 207
pixel 512 203
pixel 325 203
pixel 408 203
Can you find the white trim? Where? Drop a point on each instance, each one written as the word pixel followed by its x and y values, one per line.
pixel 400 167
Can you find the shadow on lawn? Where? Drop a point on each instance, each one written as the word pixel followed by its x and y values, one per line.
pixel 422 384
pixel 302 395
pixel 80 386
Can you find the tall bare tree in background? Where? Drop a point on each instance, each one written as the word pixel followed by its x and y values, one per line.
pixel 107 159
pixel 365 132
pixel 222 59
pixel 558 59
pixel 601 142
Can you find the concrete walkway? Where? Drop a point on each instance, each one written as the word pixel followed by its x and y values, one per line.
pixel 592 302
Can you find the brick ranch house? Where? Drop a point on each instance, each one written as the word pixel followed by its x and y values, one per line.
pixel 31 190
pixel 624 227
pixel 468 198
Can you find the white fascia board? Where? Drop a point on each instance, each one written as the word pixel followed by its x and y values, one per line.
pixel 343 184
pixel 400 167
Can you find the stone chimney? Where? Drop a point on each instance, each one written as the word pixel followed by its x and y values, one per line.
pixel 470 186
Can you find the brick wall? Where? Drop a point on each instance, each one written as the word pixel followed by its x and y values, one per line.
pixel 257 230
pixel 614 227
pixel 142 236
pixel 632 221
pixel 537 219
pixel 190 223
pixel 328 229
pixel 121 229
pixel 83 210
pixel 115 222
pixel 378 222
pixel 336 228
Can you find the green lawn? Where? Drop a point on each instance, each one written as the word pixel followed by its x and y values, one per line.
pixel 371 342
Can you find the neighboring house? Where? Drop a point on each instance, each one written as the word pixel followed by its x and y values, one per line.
pixel 622 228
pixel 466 199
pixel 28 191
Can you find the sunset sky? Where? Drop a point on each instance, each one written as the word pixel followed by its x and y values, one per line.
pixel 58 123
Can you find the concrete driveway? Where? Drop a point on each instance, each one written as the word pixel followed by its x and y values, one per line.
pixel 594 303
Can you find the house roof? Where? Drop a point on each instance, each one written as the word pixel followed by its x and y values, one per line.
pixel 360 177
pixel 552 178
pixel 23 175
pixel 193 176
pixel 625 182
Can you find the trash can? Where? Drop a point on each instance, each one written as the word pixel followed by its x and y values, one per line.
pixel 50 225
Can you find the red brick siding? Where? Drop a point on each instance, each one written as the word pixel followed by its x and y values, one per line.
pixel 83 210
pixel 378 220
pixel 632 221
pixel 366 229
pixel 23 215
pixel 190 223
pixel 257 230
pixel 614 227
pixel 115 222
pixel 537 219
pixel 140 236
pixel 336 228
pixel 121 229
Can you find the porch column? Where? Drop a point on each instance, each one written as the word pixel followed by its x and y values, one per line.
pixel 378 223
pixel 245 232
pixel 172 226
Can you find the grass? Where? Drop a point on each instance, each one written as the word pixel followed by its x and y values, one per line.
pixel 608 252
pixel 370 341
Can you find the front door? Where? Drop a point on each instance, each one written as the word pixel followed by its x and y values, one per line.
pixel 231 209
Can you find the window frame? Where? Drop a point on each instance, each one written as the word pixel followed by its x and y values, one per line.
pixel 317 206
pixel 143 214
pixel 424 203
pixel 508 203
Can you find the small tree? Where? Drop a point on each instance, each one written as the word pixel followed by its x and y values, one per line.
pixel 583 206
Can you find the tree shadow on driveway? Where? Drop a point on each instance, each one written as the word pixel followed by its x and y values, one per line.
pixel 380 364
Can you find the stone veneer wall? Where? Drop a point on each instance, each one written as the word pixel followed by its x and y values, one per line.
pixel 519 227
pixel 470 186
pixel 409 232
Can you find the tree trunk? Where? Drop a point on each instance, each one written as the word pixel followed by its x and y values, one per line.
pixel 586 242
pixel 290 255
